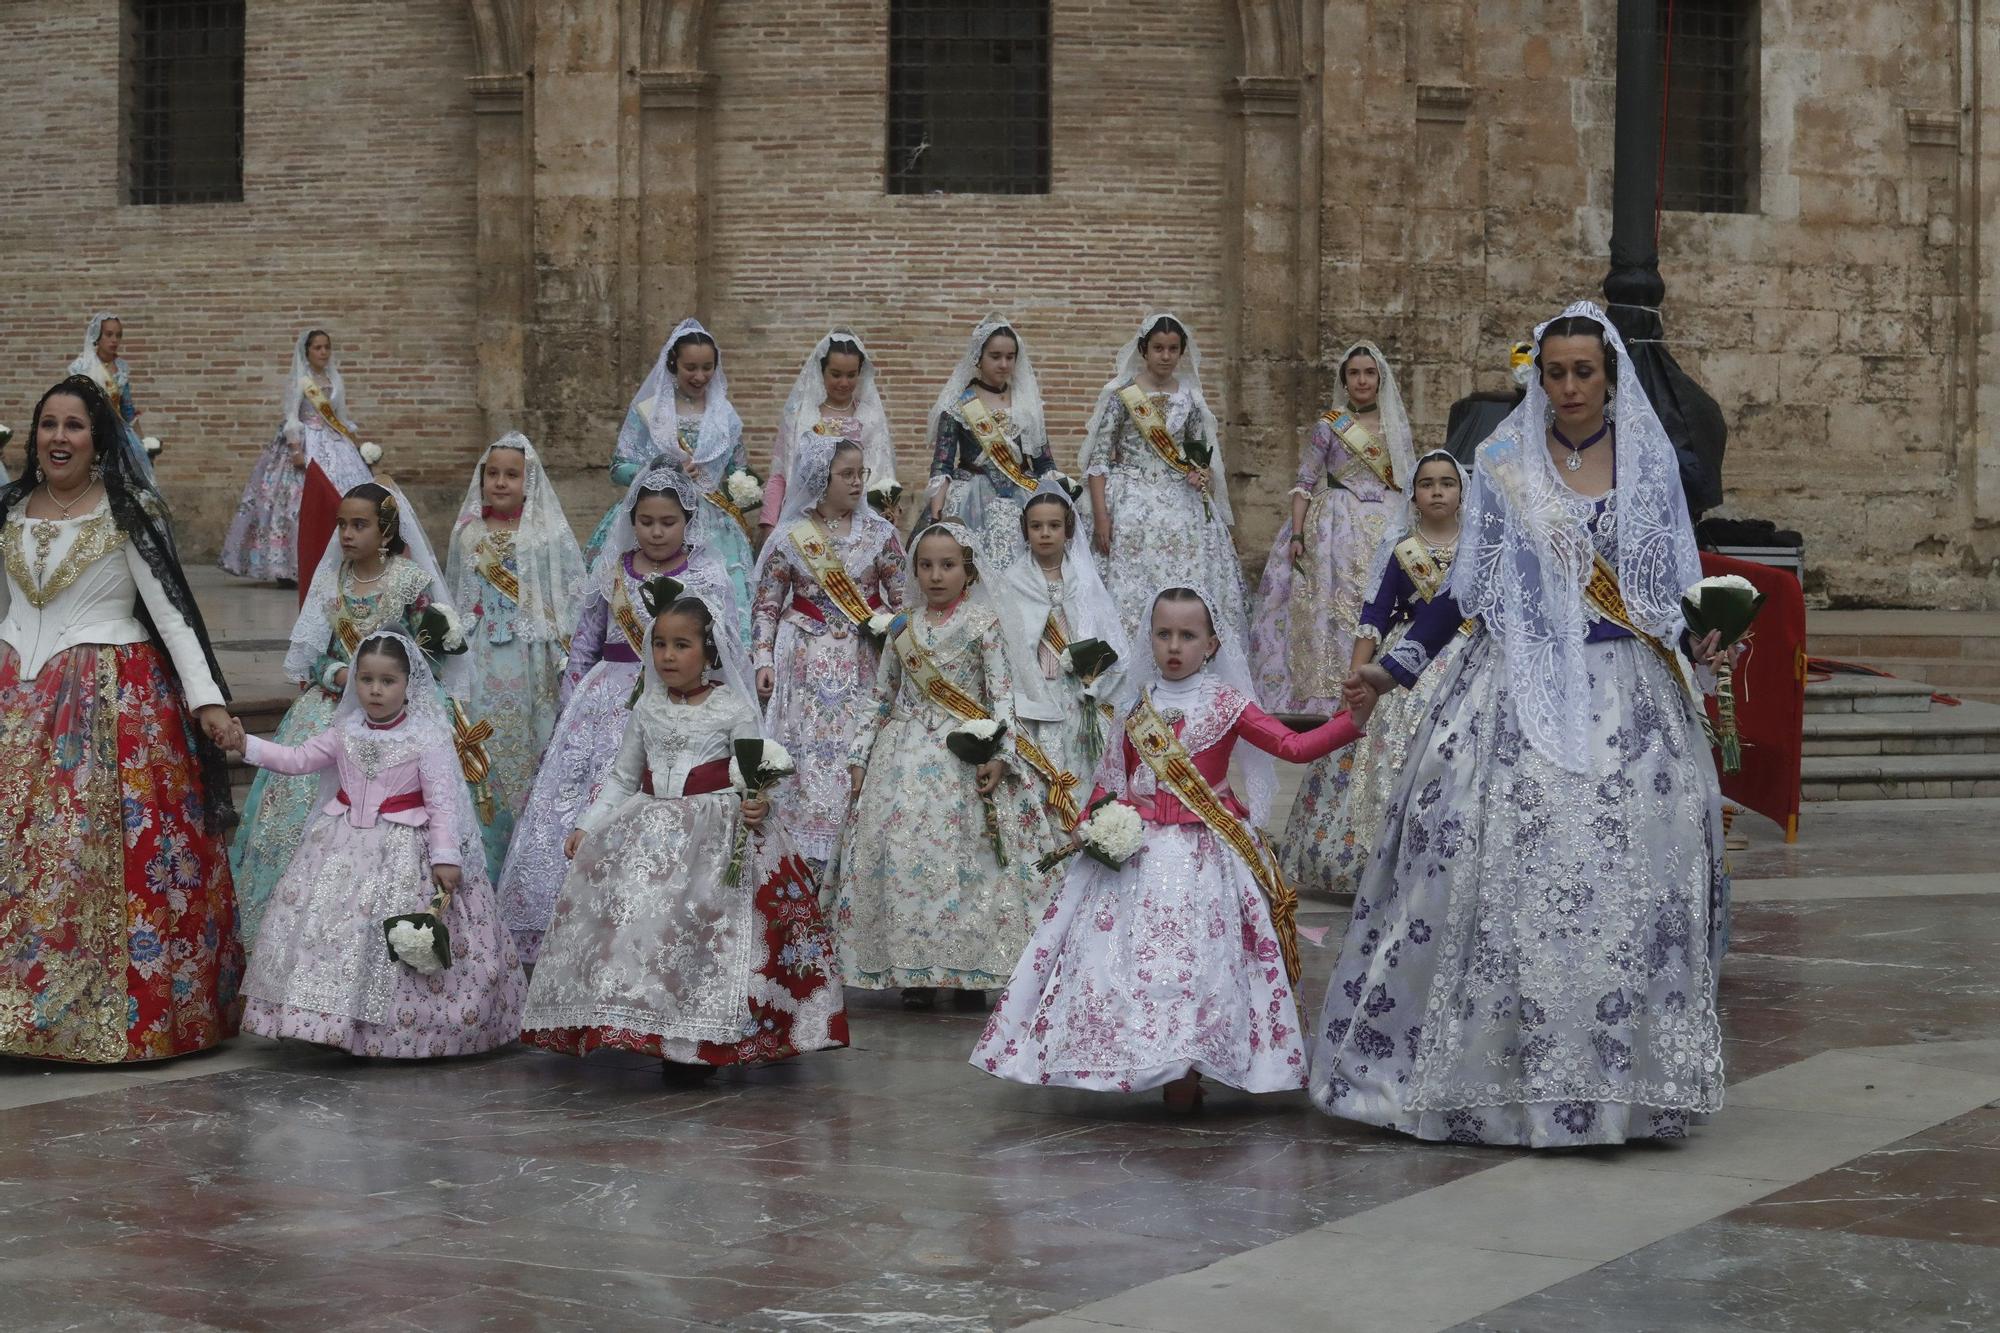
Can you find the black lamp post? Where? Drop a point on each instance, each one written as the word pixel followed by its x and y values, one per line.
pixel 1633 288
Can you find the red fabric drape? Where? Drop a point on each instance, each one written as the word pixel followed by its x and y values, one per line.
pixel 319 513
pixel 1770 695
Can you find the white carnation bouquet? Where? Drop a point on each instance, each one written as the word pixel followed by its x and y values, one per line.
pixel 419 940
pixel 1724 605
pixel 980 742
pixel 6 436
pixel 756 766
pixel 884 495
pixel 371 453
pixel 880 624
pixel 745 488
pixel 1111 835
pixel 150 443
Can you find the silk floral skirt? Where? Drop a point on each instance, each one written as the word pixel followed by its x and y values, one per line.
pixel 117 919
pixel 263 536
pixel 1140 975
pixel 276 812
pixel 1532 955
pixel 321 971
pixel 651 950
pixel 1302 639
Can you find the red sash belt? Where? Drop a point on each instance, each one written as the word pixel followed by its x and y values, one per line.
pixel 395 805
pixel 702 779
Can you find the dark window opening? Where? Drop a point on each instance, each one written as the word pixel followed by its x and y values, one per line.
pixel 968 97
pixel 1712 120
pixel 183 101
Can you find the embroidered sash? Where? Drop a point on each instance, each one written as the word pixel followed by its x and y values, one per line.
pixel 1424 571
pixel 1361 442
pixel 932 683
pixel 1608 600
pixel 829 572
pixel 494 549
pixel 1053 637
pixel 1152 427
pixel 1161 750
pixel 627 617
pixel 324 406
pixel 992 437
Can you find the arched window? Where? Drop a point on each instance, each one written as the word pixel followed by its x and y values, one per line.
pixel 968 97
pixel 183 101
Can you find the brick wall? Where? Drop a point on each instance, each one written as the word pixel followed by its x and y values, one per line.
pixel 803 236
pixel 356 214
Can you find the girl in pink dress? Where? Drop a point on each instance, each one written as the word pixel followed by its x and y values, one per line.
pixel 1179 963
pixel 394 835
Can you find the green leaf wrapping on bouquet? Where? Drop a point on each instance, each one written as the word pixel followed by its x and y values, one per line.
pixel 885 499
pixel 1199 451
pixel 976 750
pixel 1072 488
pixel 1091 658
pixel 440 934
pixel 430 630
pixel 1726 612
pixel 659 592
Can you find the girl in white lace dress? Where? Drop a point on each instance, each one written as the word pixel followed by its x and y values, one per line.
pixel 689 927
pixel 1155 505
pixel 1174 965
pixel 936 878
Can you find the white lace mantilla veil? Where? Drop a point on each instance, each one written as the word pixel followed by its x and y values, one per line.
pixel 314 628
pixel 1025 401
pixel 812 468
pixel 425 722
pixel 655 404
pixel 734 671
pixel 1031 700
pixel 661 478
pixel 336 390
pixel 547 560
pixel 1230 666
pixel 1379 564
pixel 1130 362
pixel 1525 552
pixel 87 364
pixel 1023 593
pixel 1395 418
pixel 808 392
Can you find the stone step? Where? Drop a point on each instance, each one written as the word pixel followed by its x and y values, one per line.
pixel 1839 777
pixel 1944 674
pixel 1867 694
pixel 1972 728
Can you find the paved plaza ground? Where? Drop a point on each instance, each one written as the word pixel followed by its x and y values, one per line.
pixel 1851 1182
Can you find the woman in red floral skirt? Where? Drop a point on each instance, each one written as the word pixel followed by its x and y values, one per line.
pixel 117 919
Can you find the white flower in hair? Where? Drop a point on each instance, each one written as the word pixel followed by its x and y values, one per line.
pixel 371 453
pixel 745 491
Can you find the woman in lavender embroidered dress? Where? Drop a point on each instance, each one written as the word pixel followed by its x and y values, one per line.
pixel 1343 505
pixel 263 537
pixel 836 394
pixel 1343 797
pixel 993 381
pixel 1147 514
pixel 1169 967
pixel 393 834
pixel 648 538
pixel 1532 955
pixel 515 569
pixel 682 415
pixel 815 665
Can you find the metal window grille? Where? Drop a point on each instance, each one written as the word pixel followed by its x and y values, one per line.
pixel 184 101
pixel 968 97
pixel 1712 111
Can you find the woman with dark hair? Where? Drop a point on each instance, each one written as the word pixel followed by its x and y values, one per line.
pixel 1532 956
pixel 836 395
pixel 988 444
pixel 682 415
pixel 1159 492
pixel 379 575
pixel 101 363
pixel 270 529
pixel 1353 481
pixel 118 941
